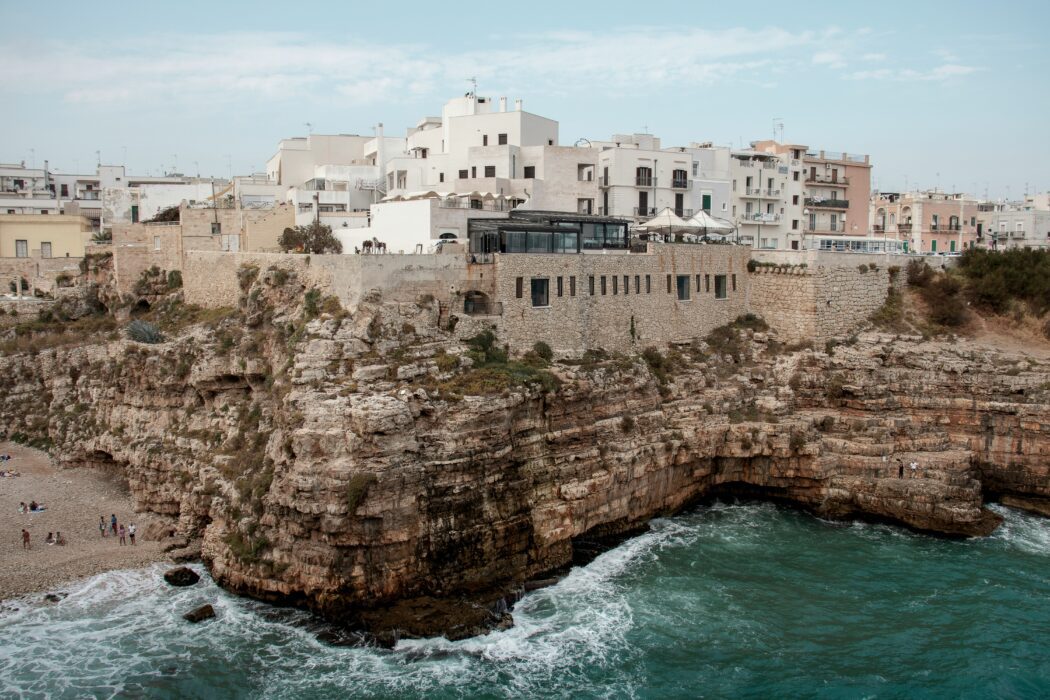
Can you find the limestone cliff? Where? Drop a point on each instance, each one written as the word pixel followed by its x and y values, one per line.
pixel 361 466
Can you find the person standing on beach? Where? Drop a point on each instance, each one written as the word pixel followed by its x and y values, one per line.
pixel 131 533
pixel 122 531
pixel 102 525
pixel 113 523
pixel 25 539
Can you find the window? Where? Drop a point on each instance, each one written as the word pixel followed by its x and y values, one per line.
pixel 462 174
pixel 559 287
pixel 795 176
pixel 626 284
pixel 572 285
pixel 637 284
pixel 473 171
pixel 648 284
pixel 794 199
pixel 441 177
pixel 590 283
pixel 485 140
pixel 616 284
pixel 698 283
pixel 794 224
pixel 720 287
pixel 683 287
pixel 502 139
pixel 550 142
pixel 734 282
pixel 490 171
pixel 216 228
pixel 603 285
pixel 45 212
pixel 541 291
pixel 45 249
pixel 530 172
pixel 518 284
pixel 65 190
pixel 21 249
pixel 707 284
pixel 156 243
pixel 670 283
pixel 134 213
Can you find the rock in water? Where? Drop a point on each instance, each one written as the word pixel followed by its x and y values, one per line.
pixel 181 576
pixel 204 612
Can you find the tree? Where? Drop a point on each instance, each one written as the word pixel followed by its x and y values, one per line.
pixel 315 238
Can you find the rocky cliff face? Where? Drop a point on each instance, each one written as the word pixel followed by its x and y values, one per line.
pixel 346 463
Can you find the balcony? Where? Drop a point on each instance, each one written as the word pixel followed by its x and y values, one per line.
pixel 841 181
pixel 945 227
pixel 603 181
pixel 878 228
pixel 1017 234
pixel 645 212
pixel 645 181
pixel 760 218
pixel 759 192
pixel 819 227
pixel 680 184
pixel 827 203
pixel 683 213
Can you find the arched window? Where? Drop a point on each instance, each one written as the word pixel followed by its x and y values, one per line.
pixel 448 237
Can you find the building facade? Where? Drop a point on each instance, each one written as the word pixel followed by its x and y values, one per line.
pixel 928 221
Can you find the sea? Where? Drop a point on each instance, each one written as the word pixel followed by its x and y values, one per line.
pixel 728 600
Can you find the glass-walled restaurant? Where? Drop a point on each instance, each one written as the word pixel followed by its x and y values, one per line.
pixel 547 232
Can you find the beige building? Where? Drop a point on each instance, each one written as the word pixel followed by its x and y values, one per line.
pixel 53 236
pixel 838 192
pixel 928 222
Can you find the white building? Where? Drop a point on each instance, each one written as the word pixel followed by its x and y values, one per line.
pixel 1017 225
pixel 767 197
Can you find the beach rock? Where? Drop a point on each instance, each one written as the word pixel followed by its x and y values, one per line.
pixel 204 612
pixel 181 576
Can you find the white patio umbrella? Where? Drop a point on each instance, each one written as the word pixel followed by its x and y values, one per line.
pixel 711 224
pixel 667 221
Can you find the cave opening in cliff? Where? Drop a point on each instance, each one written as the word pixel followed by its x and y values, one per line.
pixel 141 308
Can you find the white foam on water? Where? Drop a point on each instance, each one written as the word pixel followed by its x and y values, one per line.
pixel 1025 531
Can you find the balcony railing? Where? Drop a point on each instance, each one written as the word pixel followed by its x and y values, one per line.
pixel 904 228
pixel 878 228
pixel 683 213
pixel 680 183
pixel 824 180
pixel 760 192
pixel 761 218
pixel 945 227
pixel 839 227
pixel 645 181
pixel 603 181
pixel 1017 234
pixel 827 203
pixel 645 211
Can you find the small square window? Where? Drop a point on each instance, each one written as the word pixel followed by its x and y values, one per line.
pixel 502 138
pixel 794 224
pixel 216 228
pixel 795 174
pixel 720 287
pixel 490 171
pixel 541 291
pixel 530 172
pixel 462 174
pixel 794 199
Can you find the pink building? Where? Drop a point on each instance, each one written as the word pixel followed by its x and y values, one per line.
pixel 838 188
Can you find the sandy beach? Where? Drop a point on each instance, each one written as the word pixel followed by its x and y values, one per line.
pixel 74 498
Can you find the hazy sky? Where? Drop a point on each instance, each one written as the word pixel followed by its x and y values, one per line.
pixel 959 89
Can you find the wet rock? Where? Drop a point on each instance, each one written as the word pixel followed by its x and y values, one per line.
pixel 181 576
pixel 204 612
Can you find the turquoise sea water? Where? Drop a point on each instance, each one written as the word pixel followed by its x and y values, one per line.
pixel 725 601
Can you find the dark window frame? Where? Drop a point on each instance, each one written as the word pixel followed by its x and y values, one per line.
pixel 572 285
pixel 682 288
pixel 725 287
pixel 519 286
pixel 540 289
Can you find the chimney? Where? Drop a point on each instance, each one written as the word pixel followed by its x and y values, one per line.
pixel 503 104
pixel 517 105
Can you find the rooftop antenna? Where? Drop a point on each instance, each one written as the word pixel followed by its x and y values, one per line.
pixel 309 128
pixel 124 156
pixel 778 123
pixel 474 86
pixel 98 159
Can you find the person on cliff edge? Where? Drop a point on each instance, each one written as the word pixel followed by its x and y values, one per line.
pixel 900 469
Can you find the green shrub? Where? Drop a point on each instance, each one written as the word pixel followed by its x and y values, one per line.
pixel 993 279
pixel 894 272
pixel 918 273
pixel 725 340
pixel 357 489
pixel 144 332
pixel 798 441
pixel 543 350
pixel 836 387
pixel 862 269
pixel 945 301
pixel 755 323
pixel 175 279
pixel 310 303
pixel 246 275
pixel 627 424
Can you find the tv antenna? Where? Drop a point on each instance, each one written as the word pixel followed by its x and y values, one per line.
pixel 309 128
pixel 778 123
pixel 474 86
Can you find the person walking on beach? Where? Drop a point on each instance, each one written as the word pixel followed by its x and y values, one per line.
pixel 25 539
pixel 131 533
pixel 113 523
pixel 122 531
pixel 102 525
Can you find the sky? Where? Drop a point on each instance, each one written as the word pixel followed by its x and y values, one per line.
pixel 953 95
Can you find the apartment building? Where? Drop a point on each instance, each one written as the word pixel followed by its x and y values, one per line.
pixel 35 236
pixel 638 178
pixel 766 195
pixel 928 221
pixel 838 193
pixel 1007 225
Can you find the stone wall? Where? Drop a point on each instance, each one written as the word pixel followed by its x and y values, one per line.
pixel 816 304
pixel 646 315
pixel 39 273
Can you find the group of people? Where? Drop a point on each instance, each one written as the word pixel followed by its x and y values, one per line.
pixel 31 507
pixel 52 538
pixel 913 468
pixel 117 529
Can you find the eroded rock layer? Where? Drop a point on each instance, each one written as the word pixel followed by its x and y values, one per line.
pixel 340 462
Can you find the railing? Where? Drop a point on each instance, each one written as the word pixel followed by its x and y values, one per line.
pixel 644 181
pixel 1017 234
pixel 761 218
pixel 603 181
pixel 904 228
pixel 479 307
pixel 680 184
pixel 481 258
pixel 683 213
pixel 645 211
pixel 827 228
pixel 945 227
pixel 827 203
pixel 468 204
pixel 821 180
pixel 760 192
pixel 878 228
